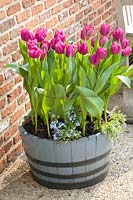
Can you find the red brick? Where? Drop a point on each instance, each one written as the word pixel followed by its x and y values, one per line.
pixel 6 87
pixel 16 138
pixel 63 16
pixel 105 15
pixel 4 62
pixel 57 9
pixel 15 32
pixel 2 14
pixel 10 131
pixel 67 3
pixel 100 10
pixel 18 79
pixel 27 3
pixel 49 35
pixel 103 1
pixel 5 2
pixel 52 22
pixel 70 21
pixel 97 21
pixel 1 79
pixel 37 9
pixel 17 151
pixel 79 16
pixel 8 110
pixel 74 9
pixel 13 9
pixel 2 103
pixel 7 146
pixel 107 5
pixel 44 16
pixel 1 140
pixel 96 4
pixel 50 3
pixel 3 164
pixel 31 24
pixel 87 10
pixel 4 39
pixel 14 94
pixel 10 48
pixel 23 16
pixel 92 16
pixel 4 26
pixel 17 115
pixel 27 106
pixel 16 56
pixel 21 99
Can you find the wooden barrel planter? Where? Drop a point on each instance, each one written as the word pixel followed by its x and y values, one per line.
pixel 77 164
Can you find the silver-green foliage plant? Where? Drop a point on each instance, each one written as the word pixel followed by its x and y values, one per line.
pixel 59 75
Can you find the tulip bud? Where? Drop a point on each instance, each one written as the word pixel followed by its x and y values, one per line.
pixel 70 50
pixel 27 35
pixel 115 48
pixel 103 40
pixel 104 29
pixel 118 34
pixel 41 34
pixel 101 53
pixel 83 48
pixel 34 52
pixel 86 32
pixel 94 60
pixel 124 43
pixel 127 51
pixel 59 47
pixel 93 41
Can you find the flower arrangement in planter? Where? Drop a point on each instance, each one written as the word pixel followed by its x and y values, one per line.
pixel 69 87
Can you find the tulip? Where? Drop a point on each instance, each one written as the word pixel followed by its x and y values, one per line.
pixel 70 50
pixel 52 43
pixel 118 34
pixel 104 29
pixel 83 48
pixel 34 52
pixel 103 40
pixel 42 54
pixel 27 35
pixel 41 34
pixel 32 43
pixel 59 47
pixel 94 60
pixel 93 41
pixel 127 51
pixel 124 43
pixel 115 48
pixel 59 35
pixel 86 32
pixel 45 45
pixel 101 53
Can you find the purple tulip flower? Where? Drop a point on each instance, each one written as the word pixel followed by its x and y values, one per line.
pixel 82 48
pixel 127 51
pixel 103 40
pixel 27 35
pixel 34 52
pixel 115 48
pixel 104 29
pixel 32 43
pixel 59 47
pixel 86 32
pixel 93 41
pixel 94 60
pixel 124 43
pixel 118 34
pixel 70 50
pixel 41 34
pixel 101 53
pixel 59 34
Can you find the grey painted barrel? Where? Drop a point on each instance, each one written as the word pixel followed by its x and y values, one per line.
pixel 77 164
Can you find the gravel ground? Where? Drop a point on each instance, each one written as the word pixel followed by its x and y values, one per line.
pixel 16 183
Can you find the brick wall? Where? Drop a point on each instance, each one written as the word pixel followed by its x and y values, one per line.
pixel 68 15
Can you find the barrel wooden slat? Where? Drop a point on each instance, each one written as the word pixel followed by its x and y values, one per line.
pixel 73 165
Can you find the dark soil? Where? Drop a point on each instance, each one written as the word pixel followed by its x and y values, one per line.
pixel 42 128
